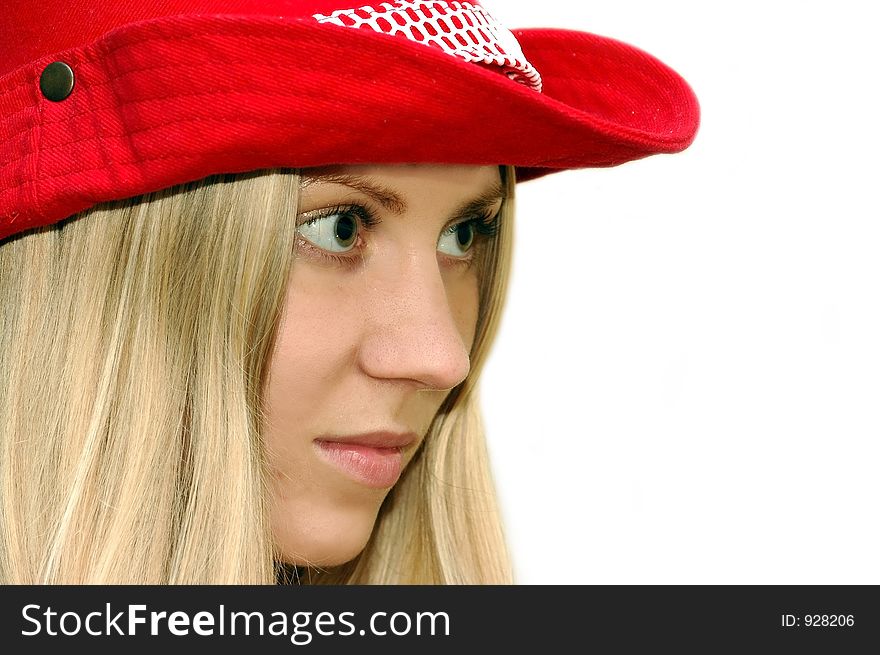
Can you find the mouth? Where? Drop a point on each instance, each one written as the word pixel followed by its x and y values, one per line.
pixel 374 459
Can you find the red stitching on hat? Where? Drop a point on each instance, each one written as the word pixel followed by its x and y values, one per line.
pixel 182 121
pixel 85 59
pixel 90 111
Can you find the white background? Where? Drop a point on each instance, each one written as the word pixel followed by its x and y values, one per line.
pixel 686 387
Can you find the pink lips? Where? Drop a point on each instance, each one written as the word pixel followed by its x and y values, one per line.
pixel 374 459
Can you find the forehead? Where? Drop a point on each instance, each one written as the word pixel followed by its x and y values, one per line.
pixel 394 186
pixel 458 174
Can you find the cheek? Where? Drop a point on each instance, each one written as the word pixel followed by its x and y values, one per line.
pixel 319 324
pixel 314 342
pixel 463 294
pixel 313 519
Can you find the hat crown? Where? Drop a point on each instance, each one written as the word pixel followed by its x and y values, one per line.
pixel 32 31
pixel 461 29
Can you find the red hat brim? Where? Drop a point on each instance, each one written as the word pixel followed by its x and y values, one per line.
pixel 175 99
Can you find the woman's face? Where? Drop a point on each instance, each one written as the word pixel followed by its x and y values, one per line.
pixel 378 323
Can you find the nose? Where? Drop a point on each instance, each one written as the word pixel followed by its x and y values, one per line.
pixel 410 332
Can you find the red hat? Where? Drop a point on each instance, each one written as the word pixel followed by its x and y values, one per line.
pixel 107 100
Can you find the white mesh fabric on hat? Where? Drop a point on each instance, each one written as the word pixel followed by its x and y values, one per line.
pixel 458 28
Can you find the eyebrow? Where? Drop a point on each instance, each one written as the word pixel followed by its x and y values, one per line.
pixel 392 202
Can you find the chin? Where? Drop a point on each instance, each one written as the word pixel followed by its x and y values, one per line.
pixel 322 541
pixel 322 555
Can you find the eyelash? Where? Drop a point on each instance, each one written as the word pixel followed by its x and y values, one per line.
pixel 485 227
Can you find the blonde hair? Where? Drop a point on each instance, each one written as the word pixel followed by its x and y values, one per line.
pixel 134 343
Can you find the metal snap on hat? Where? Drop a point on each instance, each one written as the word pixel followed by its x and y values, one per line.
pixel 56 82
pixel 103 101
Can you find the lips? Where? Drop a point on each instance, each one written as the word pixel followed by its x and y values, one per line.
pixel 373 459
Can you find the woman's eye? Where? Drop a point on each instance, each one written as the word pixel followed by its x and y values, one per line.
pixel 457 240
pixel 336 232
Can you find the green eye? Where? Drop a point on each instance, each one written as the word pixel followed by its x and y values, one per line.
pixel 336 232
pixel 457 240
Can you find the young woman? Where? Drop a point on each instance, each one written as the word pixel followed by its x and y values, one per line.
pixel 253 256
